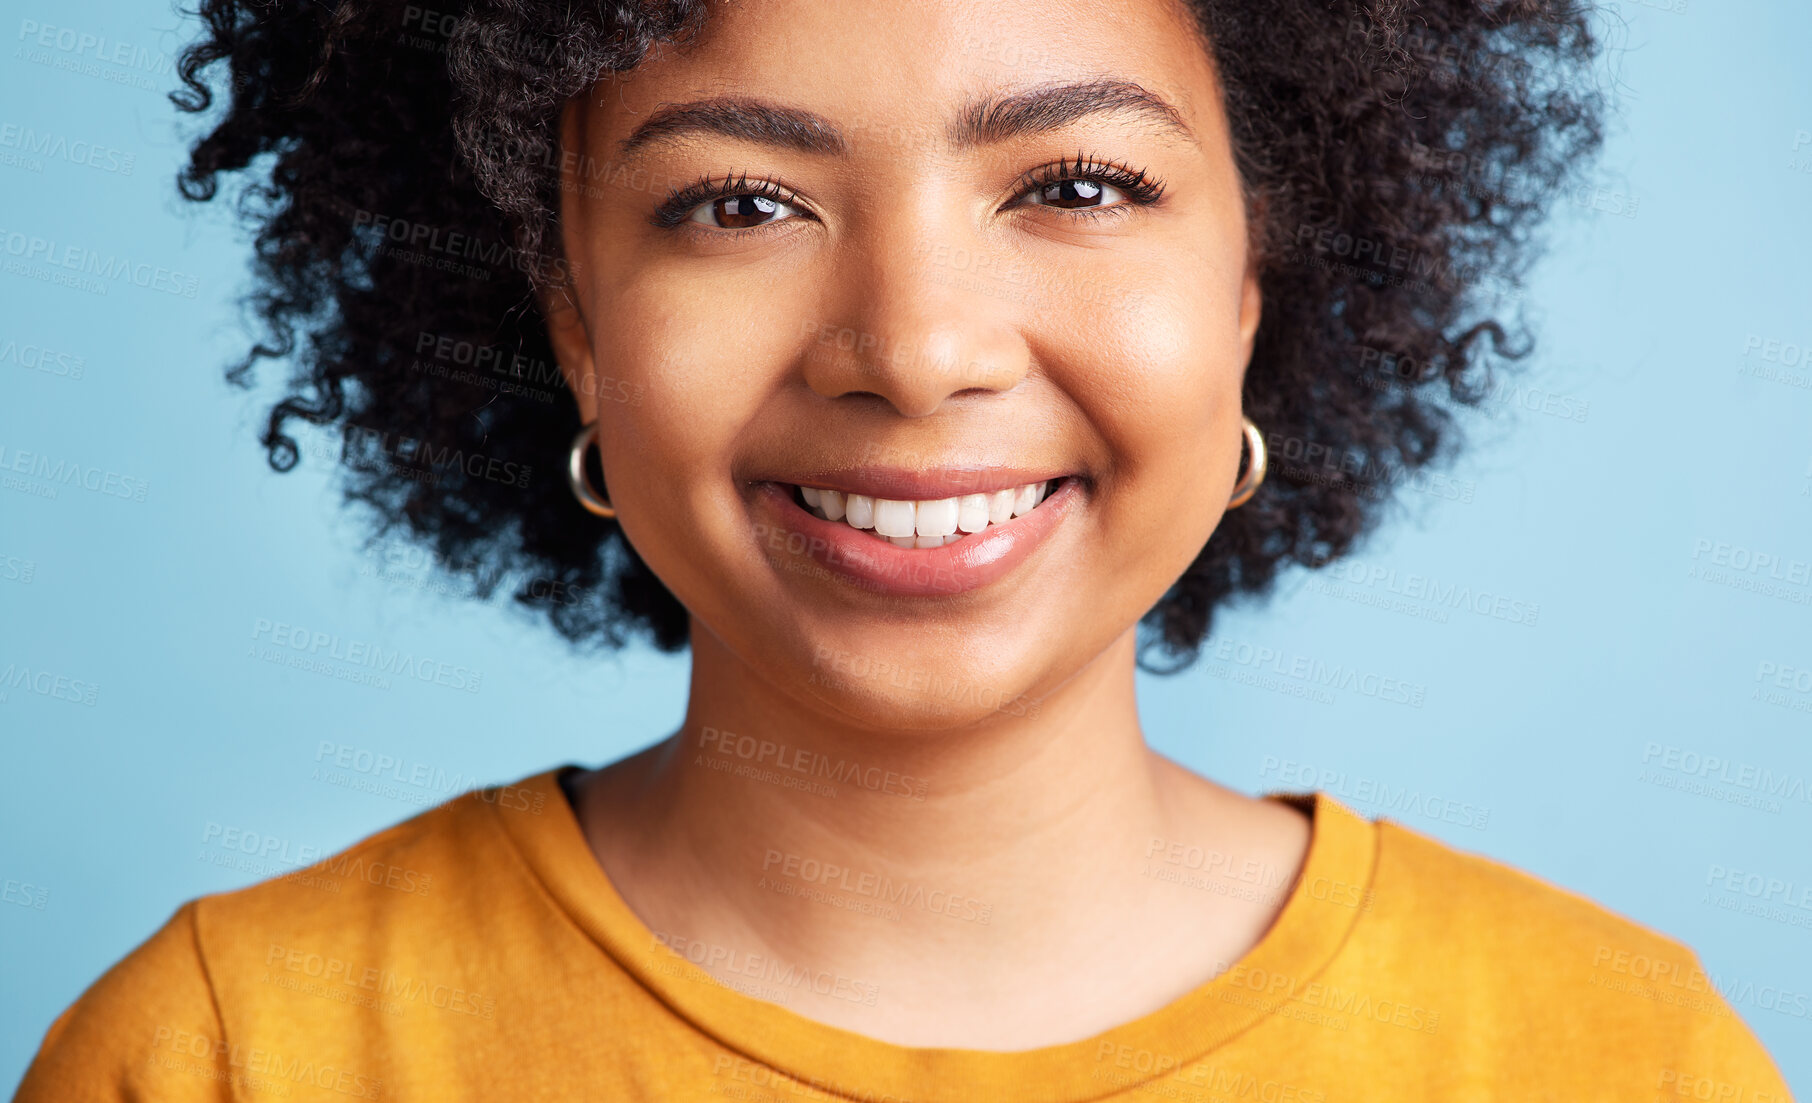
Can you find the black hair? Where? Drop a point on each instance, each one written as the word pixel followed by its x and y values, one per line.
pixel 403 179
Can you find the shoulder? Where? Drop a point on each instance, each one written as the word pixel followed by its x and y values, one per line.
pixel 1526 961
pixel 345 942
pixel 397 875
pixel 1489 906
pixel 130 1035
pixel 366 933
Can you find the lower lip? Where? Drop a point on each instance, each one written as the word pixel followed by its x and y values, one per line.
pixel 873 563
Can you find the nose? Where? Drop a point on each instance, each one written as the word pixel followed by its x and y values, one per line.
pixel 915 326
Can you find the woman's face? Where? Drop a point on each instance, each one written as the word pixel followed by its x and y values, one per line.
pixel 939 251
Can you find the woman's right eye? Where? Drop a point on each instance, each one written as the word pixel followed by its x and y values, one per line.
pixel 742 212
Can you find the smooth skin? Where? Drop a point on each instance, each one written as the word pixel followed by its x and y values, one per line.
pixel 997 325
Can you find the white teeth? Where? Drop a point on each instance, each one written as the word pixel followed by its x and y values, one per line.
pixel 861 513
pixel 1000 507
pixel 937 519
pixel 925 524
pixel 971 513
pixel 895 518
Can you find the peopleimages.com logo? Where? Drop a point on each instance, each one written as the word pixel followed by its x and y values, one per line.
pixel 322 646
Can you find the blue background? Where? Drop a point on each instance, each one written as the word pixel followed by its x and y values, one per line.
pixel 1686 442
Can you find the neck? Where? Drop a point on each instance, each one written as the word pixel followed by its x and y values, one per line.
pixel 909 858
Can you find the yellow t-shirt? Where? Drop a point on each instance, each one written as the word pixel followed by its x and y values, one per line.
pixel 479 952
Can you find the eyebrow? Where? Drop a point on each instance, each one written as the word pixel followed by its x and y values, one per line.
pixel 1052 107
pixel 994 119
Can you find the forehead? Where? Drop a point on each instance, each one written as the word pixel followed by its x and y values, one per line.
pixel 919 69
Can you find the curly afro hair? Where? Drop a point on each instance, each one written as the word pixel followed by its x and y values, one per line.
pixel 404 176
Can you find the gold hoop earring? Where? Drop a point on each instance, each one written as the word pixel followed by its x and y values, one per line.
pixel 1255 471
pixel 575 476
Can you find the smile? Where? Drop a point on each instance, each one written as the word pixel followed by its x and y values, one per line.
pixel 924 524
pixel 911 547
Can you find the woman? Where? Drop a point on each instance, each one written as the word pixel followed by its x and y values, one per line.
pixel 915 357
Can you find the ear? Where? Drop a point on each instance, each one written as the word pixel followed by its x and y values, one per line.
pixel 1251 294
pixel 1251 306
pixel 559 295
pixel 572 345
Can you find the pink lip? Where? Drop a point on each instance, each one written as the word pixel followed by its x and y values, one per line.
pixel 791 534
pixel 906 485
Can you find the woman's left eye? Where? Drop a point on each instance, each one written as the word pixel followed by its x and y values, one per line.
pixel 742 212
pixel 1074 195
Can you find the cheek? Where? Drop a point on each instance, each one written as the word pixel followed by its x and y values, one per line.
pixel 1159 378
pixel 700 369
pixel 1159 381
pixel 706 358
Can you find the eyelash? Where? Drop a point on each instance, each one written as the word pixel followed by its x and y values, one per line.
pixel 1138 186
pixel 681 202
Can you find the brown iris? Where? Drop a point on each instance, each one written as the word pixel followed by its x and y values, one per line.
pixel 741 212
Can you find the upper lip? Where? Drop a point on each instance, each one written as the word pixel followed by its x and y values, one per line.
pixel 900 484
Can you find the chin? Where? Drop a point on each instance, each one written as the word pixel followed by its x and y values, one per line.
pixel 938 703
pixel 871 680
